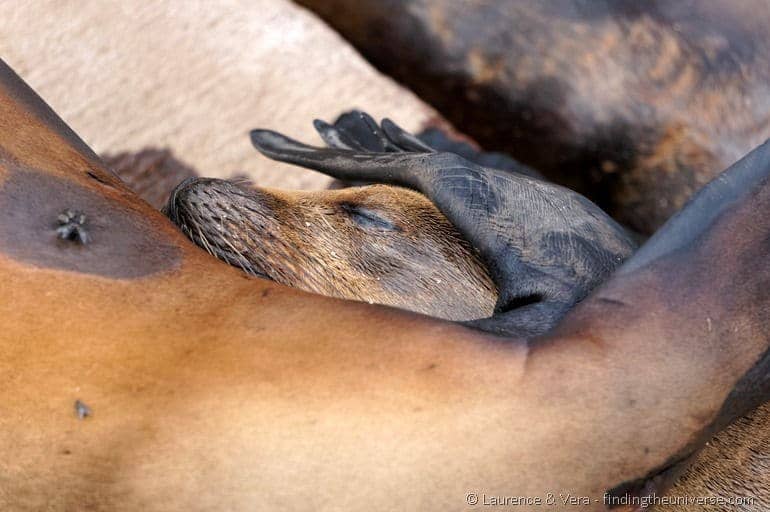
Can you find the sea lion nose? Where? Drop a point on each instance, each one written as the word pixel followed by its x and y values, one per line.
pixel 194 195
pixel 171 208
pixel 203 199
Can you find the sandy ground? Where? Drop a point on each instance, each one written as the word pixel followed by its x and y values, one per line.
pixel 195 76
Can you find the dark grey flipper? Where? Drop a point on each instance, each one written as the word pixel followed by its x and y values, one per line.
pixel 358 131
pixel 355 130
pixel 545 246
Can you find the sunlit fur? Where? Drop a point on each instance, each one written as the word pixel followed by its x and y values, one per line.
pixel 377 244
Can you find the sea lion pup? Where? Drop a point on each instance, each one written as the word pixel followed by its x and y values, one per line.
pixel 376 243
pixel 558 246
pixel 320 241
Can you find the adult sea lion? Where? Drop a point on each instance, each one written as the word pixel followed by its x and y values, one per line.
pixel 641 102
pixel 179 361
pixel 732 471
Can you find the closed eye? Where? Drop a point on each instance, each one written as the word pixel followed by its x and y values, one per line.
pixel 368 219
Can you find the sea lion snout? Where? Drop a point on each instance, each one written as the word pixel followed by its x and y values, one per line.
pixel 170 208
pixel 203 201
pixel 210 210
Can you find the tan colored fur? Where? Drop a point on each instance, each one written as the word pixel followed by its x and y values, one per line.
pixel 415 259
pixel 306 241
pixel 734 465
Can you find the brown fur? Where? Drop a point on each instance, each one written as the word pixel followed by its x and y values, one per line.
pixel 336 257
pixel 208 389
pixel 734 464
pixel 378 244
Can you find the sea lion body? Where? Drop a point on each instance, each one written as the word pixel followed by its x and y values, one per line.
pixel 158 378
pixel 635 104
pixel 733 466
pixel 732 469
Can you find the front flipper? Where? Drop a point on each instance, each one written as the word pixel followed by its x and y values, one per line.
pixel 545 246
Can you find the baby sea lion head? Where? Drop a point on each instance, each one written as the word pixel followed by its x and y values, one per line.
pixel 376 243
